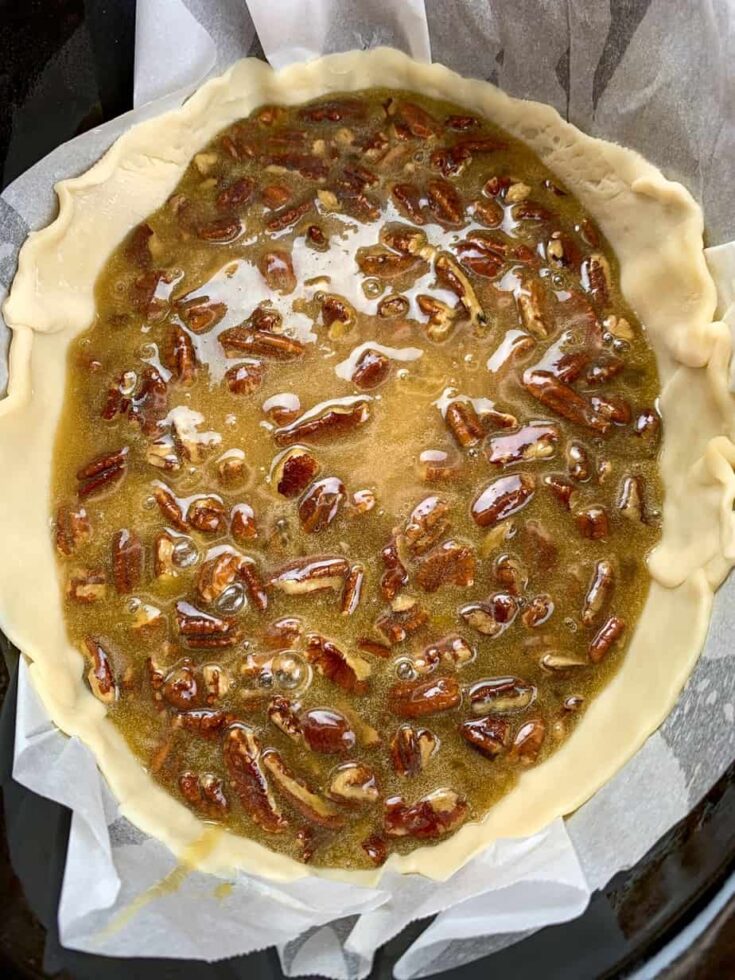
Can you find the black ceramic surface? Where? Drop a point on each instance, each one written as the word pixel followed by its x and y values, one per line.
pixel 66 65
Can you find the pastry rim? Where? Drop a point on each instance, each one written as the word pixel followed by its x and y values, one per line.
pixel 664 277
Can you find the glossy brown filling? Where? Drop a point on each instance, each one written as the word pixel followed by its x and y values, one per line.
pixel 356 475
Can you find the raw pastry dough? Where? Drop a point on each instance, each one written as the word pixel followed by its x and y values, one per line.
pixel 655 228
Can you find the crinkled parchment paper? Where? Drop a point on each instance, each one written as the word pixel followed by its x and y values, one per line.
pixel 653 75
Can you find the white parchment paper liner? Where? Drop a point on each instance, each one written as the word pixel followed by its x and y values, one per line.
pixel 594 66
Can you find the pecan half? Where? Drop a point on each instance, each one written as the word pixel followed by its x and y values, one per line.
pixel 276 267
pixel 326 730
pixel 163 556
pixel 411 749
pixel 245 378
pixel 103 472
pixel 563 400
pixel 348 671
pixel 205 792
pixel 536 441
pixel 239 341
pixel 445 202
pixel 217 574
pixel 417 121
pixel 434 815
pixel 332 420
pixel 321 503
pixel 310 574
pixel 299 794
pixel 283 633
pixel 221 232
pixel 407 198
pixel 631 499
pixel 450 563
pixel 593 524
pixel 294 470
pixel 242 757
pixel 488 735
pixel 608 635
pixel 500 695
pixel 578 462
pixel 236 194
pixel 379 264
pixel 127 561
pixel 595 276
pixel 510 574
pixel 179 687
pixel 207 514
pixel 203 631
pixel 71 529
pixel 242 523
pixel 289 216
pixel 395 575
pixel 562 488
pixel 538 611
pixel 354 783
pixel 371 370
pixel 204 721
pixel 100 674
pixel 502 498
pixel 409 699
pixel 199 314
pixel 599 591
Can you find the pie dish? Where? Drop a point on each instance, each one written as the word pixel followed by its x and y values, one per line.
pixel 468 244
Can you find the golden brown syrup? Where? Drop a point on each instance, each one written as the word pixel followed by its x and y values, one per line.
pixel 345 312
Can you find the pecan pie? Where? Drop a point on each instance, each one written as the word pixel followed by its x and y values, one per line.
pixel 356 475
pixel 358 483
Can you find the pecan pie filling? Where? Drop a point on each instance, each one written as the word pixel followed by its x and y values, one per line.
pixel 356 476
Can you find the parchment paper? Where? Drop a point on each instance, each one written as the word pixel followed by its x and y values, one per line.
pixel 653 75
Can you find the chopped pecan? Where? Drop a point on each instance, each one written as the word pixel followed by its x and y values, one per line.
pixel 179 687
pixel 604 369
pixel 206 514
pixel 592 523
pixel 313 573
pixel 500 695
pixel 216 682
pixel 205 792
pixel 181 358
pixel 387 265
pixel 231 468
pixel 294 470
pixel 250 575
pixel 528 741
pixel 368 645
pixel 426 525
pixel 464 423
pixel 411 749
pixel 163 556
pixel 560 663
pixel 321 503
pixel 538 611
pixel 578 462
pixel 450 563
pixel 199 314
pixel 595 276
pixel 434 815
pixel 236 194
pixel 85 586
pixel 352 590
pixel 408 699
pixel 563 400
pixel 103 472
pixel 371 370
pixel 316 238
pixel 445 202
pixel 451 160
pixel 326 730
pixel 403 238
pixel 203 631
pixel 333 111
pixel 283 633
pixel 452 650
pixel 631 499
pixel 348 671
pixel 100 675
pixel 299 794
pixel 510 574
pixel 393 306
pixel 491 618
pixel 245 378
pixel 562 488
pixel 127 561
pixel 438 466
pixel 275 195
pixel 398 624
pixel 242 523
pixel 647 425
pixel 442 318
pixel 363 501
pixel 239 341
pixel 217 574
pixel 281 713
pixel 599 591
pixel 396 574
pixel 330 420
pixel 72 529
pixel 488 735
pixel 605 639
pixel 203 721
pixel 276 267
pixel 502 498
pixel 536 441
pixel 612 407
pixel 450 275
pixel 243 761
pixel 163 453
pixel 354 783
pixel 540 544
